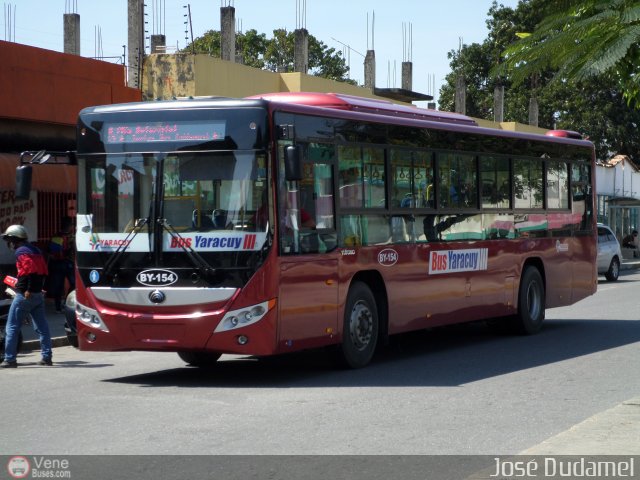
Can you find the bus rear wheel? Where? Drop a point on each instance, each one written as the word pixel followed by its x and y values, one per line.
pixel 531 302
pixel 200 359
pixel 360 327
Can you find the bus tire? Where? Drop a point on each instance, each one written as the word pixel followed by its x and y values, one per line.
pixel 531 302
pixel 200 359
pixel 360 327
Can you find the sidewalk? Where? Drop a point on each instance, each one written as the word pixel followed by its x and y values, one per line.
pixel 56 327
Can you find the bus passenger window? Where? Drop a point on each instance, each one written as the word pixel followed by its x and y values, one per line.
pixel 528 183
pixel 557 184
pixel 350 181
pixel 374 178
pixel 494 182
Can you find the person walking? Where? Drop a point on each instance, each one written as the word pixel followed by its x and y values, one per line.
pixel 61 260
pixel 29 299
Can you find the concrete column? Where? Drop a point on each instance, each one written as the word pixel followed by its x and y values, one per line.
pixel 135 54
pixel 158 44
pixel 407 75
pixel 71 33
pixel 370 70
pixel 533 111
pixel 301 51
pixel 461 95
pixel 498 103
pixel 228 33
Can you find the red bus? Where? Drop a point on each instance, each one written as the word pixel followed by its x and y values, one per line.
pixel 300 220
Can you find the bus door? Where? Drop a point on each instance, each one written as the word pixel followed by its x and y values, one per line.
pixel 308 296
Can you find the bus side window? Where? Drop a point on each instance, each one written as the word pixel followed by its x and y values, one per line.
pixel 314 230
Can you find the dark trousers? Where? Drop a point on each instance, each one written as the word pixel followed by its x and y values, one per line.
pixel 59 271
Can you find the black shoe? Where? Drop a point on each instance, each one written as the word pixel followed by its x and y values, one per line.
pixel 46 361
pixel 6 364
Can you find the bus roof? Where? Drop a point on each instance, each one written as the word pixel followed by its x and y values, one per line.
pixel 342 105
pixel 341 101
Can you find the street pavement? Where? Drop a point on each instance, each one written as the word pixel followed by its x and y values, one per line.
pixel 612 432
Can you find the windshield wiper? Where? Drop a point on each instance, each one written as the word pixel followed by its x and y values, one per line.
pixel 117 255
pixel 206 270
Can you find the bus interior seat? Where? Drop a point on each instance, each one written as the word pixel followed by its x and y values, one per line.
pixel 202 220
pixel 219 217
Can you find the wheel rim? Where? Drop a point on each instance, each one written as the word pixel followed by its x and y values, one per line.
pixel 614 269
pixel 361 326
pixel 534 300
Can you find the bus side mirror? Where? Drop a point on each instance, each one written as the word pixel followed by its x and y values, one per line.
pixel 293 163
pixel 23 182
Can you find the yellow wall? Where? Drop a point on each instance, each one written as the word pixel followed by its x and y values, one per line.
pixel 184 75
pixel 510 126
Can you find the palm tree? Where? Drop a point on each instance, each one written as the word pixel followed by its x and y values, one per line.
pixel 578 39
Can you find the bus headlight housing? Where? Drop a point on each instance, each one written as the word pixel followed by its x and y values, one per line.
pixel 244 317
pixel 90 317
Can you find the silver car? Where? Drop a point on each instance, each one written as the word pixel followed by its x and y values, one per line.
pixel 609 253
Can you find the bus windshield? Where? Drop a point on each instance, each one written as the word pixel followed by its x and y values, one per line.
pixel 205 197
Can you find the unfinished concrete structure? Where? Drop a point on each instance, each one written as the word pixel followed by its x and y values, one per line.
pixel 498 103
pixel 370 69
pixel 301 50
pixel 135 54
pixel 158 43
pixel 461 95
pixel 228 33
pixel 71 22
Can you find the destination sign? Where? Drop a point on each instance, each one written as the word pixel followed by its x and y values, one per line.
pixel 163 132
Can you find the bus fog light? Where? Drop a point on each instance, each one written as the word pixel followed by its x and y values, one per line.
pixel 243 340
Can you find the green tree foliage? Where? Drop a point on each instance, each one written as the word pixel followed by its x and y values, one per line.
pixel 580 39
pixel 276 53
pixel 595 106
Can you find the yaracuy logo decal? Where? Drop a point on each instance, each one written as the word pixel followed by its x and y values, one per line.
pixel 218 242
pixel 157 277
pixel 100 244
pixel 452 261
pixel 387 257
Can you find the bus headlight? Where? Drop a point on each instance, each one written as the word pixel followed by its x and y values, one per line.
pixel 244 316
pixel 90 317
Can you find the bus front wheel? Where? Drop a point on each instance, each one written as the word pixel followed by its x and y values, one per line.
pixel 200 359
pixel 360 327
pixel 531 302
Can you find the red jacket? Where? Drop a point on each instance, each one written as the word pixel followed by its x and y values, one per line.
pixel 32 268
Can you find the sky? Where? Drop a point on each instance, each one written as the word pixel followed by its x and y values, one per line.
pixel 436 26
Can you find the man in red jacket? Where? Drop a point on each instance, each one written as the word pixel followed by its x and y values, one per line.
pixel 32 270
